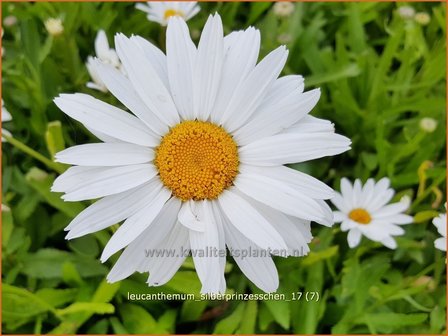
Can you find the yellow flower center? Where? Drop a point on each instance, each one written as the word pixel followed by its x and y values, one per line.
pixel 360 215
pixel 172 12
pixel 197 160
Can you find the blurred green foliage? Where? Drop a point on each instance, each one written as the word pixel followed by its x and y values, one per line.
pixel 380 74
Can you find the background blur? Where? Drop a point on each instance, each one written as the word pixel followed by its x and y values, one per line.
pixel 380 70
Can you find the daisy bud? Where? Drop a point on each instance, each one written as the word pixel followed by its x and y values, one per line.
pixel 283 9
pixel 406 12
pixel 422 18
pixel 54 26
pixel 284 38
pixel 9 21
pixel 428 125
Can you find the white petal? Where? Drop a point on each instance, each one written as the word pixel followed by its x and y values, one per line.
pixel 340 203
pixel 347 194
pixel 241 54
pixel 339 216
pixel 440 243
pixel 440 223
pixel 281 197
pixel 270 119
pixel 73 176
pixel 284 86
pixel 146 81
pixel 219 220
pixel 303 226
pixel 400 219
pixel 137 254
pixel 293 148
pixel 162 269
pixel 109 181
pixel 259 269
pixel 105 154
pixel 155 56
pixel 353 238
pixel 190 216
pixel 392 209
pixel 357 189
pixel 105 118
pixel 181 57
pixel 101 44
pixel 296 242
pixel 121 87
pixel 367 193
pixel 103 137
pixel 310 124
pixel 137 223
pixel 208 67
pixel 389 242
pixel 249 94
pixel 348 224
pixel 250 222
pixel 373 232
pixel 207 242
pixel 110 210
pixel 302 182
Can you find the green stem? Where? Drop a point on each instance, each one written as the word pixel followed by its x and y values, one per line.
pixel 31 152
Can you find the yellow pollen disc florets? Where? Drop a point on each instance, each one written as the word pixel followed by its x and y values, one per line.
pixel 360 216
pixel 172 12
pixel 197 160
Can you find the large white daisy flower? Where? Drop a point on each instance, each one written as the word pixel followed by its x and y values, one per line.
pixel 106 55
pixel 6 116
pixel 363 210
pixel 160 12
pixel 200 163
pixel 440 223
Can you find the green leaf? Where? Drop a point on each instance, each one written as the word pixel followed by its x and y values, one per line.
pixel 229 324
pixel 281 312
pixel 57 297
pixel 54 138
pixel 87 307
pixel 314 257
pixel 424 216
pixel 117 326
pixel 185 282
pixel 394 320
pixel 247 325
pixel 47 263
pixel 137 320
pixel 192 310
pixel 7 226
pixel 20 304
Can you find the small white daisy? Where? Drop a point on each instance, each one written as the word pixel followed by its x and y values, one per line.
pixel 160 12
pixel 363 210
pixel 6 116
pixel 106 55
pixel 200 163
pixel 440 223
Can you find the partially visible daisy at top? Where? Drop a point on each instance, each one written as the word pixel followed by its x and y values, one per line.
pixel 283 8
pixel 54 26
pixel 198 164
pixel 364 211
pixel 106 55
pixel 6 116
pixel 440 223
pixel 161 11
